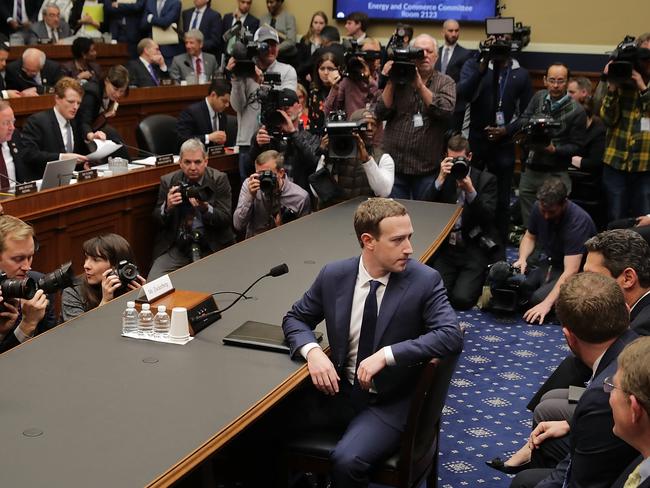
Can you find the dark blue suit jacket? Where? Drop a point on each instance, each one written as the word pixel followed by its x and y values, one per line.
pixel 597 455
pixel 251 22
pixel 415 319
pixel 123 22
pixel 170 14
pixel 210 26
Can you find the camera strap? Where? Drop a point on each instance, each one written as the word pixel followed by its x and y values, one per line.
pixel 503 83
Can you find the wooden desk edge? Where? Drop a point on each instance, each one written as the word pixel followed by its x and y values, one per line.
pixel 442 236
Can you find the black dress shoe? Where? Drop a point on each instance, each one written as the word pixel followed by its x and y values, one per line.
pixel 498 464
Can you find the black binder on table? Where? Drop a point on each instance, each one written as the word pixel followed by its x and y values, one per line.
pixel 258 335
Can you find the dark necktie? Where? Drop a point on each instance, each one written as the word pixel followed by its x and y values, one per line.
pixel 152 72
pixel 368 324
pixel 4 180
pixel 19 11
pixel 198 70
pixel 273 22
pixel 196 19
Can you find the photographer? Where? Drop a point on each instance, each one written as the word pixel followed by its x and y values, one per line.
pixel 626 114
pixel 243 89
pixel 21 319
pixel 561 228
pixel 416 115
pixel 194 204
pixel 267 198
pixel 101 280
pixel 371 172
pixel 463 258
pixel 550 159
pixel 286 135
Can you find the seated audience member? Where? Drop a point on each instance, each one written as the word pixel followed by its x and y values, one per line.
pixel 52 27
pixel 297 145
pixel 206 120
pixel 356 25
pixel 560 228
pixel 123 23
pixel 552 160
pixel 21 319
pixel 285 25
pixel 419 325
pixel 319 89
pixel 312 40
pixel 65 8
pixel 242 14
pixel 579 88
pixel 194 65
pixel 187 224
pixel 33 71
pixel 164 17
pixel 208 22
pixel 4 92
pixel 99 283
pixel 357 90
pixel 629 398
pixel 150 68
pixel 267 201
pixel 370 173
pixel 12 167
pixel 56 134
pixel 302 99
pixel 100 103
pixel 416 116
pixel 84 65
pixel 244 87
pixel 463 258
pixel 593 315
pixel 17 18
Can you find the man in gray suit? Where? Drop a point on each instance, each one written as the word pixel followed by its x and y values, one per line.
pixel 52 27
pixel 195 66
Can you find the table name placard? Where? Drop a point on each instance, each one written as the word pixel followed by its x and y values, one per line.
pixel 89 174
pixel 164 159
pixel 26 188
pixel 215 150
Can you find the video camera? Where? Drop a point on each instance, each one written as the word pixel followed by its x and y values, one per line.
pixel 505 283
pixel 189 190
pixel 403 56
pixel 538 131
pixel 624 59
pixel 241 46
pixel 504 38
pixel 356 60
pixel 342 143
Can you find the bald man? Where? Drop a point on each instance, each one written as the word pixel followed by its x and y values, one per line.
pixel 33 70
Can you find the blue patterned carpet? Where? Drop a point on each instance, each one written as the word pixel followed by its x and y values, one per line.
pixel 503 364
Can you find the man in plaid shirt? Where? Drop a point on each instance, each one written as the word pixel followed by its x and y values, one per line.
pixel 626 113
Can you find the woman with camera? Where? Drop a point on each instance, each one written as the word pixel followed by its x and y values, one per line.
pixel 108 261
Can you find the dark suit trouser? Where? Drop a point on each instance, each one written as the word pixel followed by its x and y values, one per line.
pixel 530 478
pixel 571 371
pixel 463 271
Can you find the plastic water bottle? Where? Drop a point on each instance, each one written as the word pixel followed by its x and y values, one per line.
pixel 161 322
pixel 145 320
pixel 129 319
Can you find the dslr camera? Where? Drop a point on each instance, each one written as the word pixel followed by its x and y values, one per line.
pixel 126 272
pixel 504 38
pixel 356 60
pixel 460 167
pixel 342 143
pixel 17 288
pixel 241 46
pixel 188 190
pixel 539 131
pixel 268 182
pixel 624 59
pixel 403 57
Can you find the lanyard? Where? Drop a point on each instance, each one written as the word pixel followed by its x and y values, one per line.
pixel 503 82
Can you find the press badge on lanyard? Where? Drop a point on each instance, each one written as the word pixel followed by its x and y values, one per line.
pixel 418 121
pixel 645 124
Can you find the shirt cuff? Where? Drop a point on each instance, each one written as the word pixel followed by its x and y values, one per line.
pixel 5 94
pixel 390 359
pixel 149 18
pixel 207 138
pixel 304 350
pixel 437 184
pixel 470 197
pixel 20 335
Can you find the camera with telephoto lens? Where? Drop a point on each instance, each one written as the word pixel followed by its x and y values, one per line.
pixel 17 288
pixel 241 46
pixel 624 59
pixel 191 241
pixel 271 101
pixel 539 131
pixel 201 193
pixel 403 56
pixel 505 282
pixel 268 181
pixel 341 133
pixel 460 167
pixel 58 279
pixel 356 60
pixel 504 38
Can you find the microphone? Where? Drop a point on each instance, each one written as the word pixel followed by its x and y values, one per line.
pixel 10 180
pixel 278 270
pixel 139 149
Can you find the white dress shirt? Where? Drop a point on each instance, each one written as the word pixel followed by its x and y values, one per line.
pixel 198 14
pixel 213 114
pixel 9 162
pixel 63 128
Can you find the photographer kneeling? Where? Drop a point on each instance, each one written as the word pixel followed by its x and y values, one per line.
pixel 267 198
pixel 192 212
pixel 109 271
pixel 351 164
pixel 463 258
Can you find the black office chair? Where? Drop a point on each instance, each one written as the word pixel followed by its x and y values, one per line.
pixel 417 459
pixel 231 130
pixel 157 134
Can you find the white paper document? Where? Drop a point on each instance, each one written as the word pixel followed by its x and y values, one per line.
pixel 104 149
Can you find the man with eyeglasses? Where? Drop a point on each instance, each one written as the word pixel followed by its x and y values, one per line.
pixel 20 318
pixel 552 160
pixel 629 398
pixel 595 323
pixel 11 163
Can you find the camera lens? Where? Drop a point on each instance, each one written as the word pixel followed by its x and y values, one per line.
pixel 460 168
pixel 126 271
pixel 14 288
pixel 58 279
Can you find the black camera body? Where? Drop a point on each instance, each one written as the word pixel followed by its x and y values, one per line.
pixel 17 288
pixel 241 46
pixel 539 131
pixel 403 56
pixel 342 140
pixel 624 59
pixel 188 190
pixel 271 102
pixel 126 272
pixel 460 167
pixel 268 181
pixel 505 284
pixel 505 37
pixel 356 60
pixel 485 242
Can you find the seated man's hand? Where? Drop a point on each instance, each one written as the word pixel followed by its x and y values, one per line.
pixel 387 66
pixel 174 198
pixel 33 312
pixel 29 92
pixel 538 313
pixel 159 60
pixel 445 169
pixel 548 430
pixel 263 138
pixel 13 94
pixel 495 133
pixel 218 137
pixel 253 184
pixel 576 161
pixel 100 135
pixel 643 220
pixel 369 367
pixel 8 316
pixel 79 157
pixel 521 265
pixel 322 372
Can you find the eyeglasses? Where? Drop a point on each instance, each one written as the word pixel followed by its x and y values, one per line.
pixel 8 123
pixel 608 385
pixel 553 81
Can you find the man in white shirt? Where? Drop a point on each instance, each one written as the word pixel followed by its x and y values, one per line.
pixel 8 148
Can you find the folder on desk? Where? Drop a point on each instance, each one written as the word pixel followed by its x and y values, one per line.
pixel 258 335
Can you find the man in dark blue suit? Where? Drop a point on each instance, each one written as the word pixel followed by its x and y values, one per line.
pixel 208 21
pixel 123 21
pixel 384 314
pixel 242 14
pixel 164 14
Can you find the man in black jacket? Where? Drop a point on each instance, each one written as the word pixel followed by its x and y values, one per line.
pixel 33 70
pixel 11 154
pixel 208 21
pixel 463 258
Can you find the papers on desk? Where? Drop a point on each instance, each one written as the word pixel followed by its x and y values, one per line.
pixel 104 149
pixel 164 37
pixel 104 167
pixel 166 340
pixel 151 161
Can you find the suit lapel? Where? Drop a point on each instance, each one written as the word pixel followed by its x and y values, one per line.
pixel 345 283
pixel 397 286
pixel 206 116
pixel 57 132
